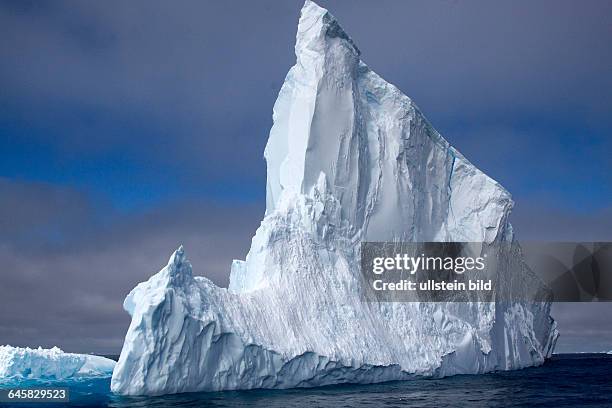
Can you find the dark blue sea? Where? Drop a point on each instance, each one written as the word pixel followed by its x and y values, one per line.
pixel 566 380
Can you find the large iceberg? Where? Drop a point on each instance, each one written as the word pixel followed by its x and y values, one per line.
pixel 349 158
pixel 19 363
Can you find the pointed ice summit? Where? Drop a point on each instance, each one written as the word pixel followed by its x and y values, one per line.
pixel 349 158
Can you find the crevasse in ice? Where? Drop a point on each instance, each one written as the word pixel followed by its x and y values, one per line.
pixel 349 158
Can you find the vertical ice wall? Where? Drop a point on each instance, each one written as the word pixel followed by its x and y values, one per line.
pixel 393 174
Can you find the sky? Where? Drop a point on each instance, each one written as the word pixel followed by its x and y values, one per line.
pixel 129 128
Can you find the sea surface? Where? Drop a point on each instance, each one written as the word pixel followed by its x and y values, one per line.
pixel 566 380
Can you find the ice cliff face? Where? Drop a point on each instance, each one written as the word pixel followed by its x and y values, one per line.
pixel 50 364
pixel 349 158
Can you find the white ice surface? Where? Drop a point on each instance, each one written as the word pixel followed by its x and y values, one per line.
pixel 50 364
pixel 349 158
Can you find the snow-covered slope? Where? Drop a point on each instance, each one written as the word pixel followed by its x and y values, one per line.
pixel 50 364
pixel 350 158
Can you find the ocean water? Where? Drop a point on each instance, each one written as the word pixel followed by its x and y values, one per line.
pixel 566 380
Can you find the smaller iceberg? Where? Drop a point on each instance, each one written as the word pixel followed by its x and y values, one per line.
pixel 50 364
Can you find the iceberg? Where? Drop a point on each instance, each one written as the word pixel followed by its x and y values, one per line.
pixel 350 159
pixel 50 364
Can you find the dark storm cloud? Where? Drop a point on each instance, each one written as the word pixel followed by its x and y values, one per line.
pixel 116 104
pixel 66 288
pixel 583 327
pixel 541 168
pixel 538 223
pixel 479 59
pixel 177 76
pixel 197 79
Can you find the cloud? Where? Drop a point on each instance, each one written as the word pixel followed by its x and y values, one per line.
pixel 196 81
pixel 175 76
pixel 539 223
pixel 583 327
pixel 539 168
pixel 465 61
pixel 75 282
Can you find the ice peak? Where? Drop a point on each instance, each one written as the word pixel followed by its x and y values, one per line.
pixel 179 266
pixel 315 114
pixel 178 256
pixel 316 27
